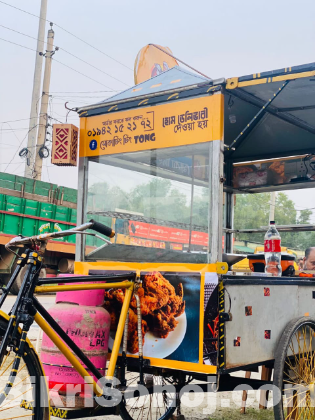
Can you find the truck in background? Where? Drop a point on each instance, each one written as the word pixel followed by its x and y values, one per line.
pixel 29 207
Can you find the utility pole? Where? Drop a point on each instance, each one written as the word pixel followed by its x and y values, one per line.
pixel 272 206
pixel 43 118
pixel 31 142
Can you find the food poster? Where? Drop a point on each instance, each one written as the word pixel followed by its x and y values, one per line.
pixel 170 307
pixel 211 319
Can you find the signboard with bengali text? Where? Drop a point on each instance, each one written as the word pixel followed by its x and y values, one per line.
pixel 169 125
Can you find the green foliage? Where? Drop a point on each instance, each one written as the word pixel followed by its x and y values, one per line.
pixel 252 211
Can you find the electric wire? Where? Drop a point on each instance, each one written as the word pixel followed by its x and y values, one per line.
pixel 94 67
pixel 88 91
pixel 77 71
pixel 70 33
pixel 10 163
pixel 57 61
pixel 14 129
pixel 67 52
pixel 21 119
pixel 11 131
pixel 80 96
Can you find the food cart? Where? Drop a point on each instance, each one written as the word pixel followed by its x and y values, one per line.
pixel 166 158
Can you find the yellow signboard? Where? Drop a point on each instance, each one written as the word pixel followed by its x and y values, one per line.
pixel 175 124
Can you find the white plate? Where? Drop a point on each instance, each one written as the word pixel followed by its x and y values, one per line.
pixel 156 347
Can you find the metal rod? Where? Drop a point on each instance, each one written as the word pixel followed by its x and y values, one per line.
pixel 288 228
pixel 191 200
pixel 239 139
pixel 76 287
pixel 290 118
pixel 177 59
pixel 125 341
pixel 140 344
pixel 82 279
pixel 6 291
pixel 119 333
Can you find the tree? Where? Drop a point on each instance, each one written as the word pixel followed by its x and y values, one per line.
pixel 304 216
pixel 252 211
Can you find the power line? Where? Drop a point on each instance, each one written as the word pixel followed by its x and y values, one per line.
pixel 79 96
pixel 88 91
pixel 57 61
pixel 10 163
pixel 19 45
pixel 22 119
pixel 67 52
pixel 65 30
pixel 94 67
pixel 13 129
pixel 77 71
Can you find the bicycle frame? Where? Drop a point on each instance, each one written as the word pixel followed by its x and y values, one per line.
pixel 31 284
pixel 42 316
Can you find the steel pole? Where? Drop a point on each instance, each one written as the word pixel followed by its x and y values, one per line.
pixel 272 206
pixel 44 106
pixel 31 141
pixel 215 215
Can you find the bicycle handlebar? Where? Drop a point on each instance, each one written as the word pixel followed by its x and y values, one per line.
pixel 98 227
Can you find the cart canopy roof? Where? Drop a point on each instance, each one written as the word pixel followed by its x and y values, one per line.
pixel 267 115
pixel 173 78
pixel 285 127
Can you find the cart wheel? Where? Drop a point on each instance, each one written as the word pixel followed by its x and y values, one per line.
pixel 294 371
pixel 155 406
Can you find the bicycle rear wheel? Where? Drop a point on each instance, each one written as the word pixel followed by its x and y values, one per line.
pixel 25 394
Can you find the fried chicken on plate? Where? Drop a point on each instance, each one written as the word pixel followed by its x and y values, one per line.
pixel 160 304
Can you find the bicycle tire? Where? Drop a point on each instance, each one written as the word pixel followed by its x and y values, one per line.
pixel 19 280
pixel 148 410
pixel 28 377
pixel 282 369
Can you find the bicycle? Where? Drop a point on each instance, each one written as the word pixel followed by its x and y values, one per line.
pixel 18 357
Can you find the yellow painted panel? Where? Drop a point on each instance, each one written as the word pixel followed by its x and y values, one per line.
pixel 84 267
pixel 232 83
pixel 173 124
pixel 186 366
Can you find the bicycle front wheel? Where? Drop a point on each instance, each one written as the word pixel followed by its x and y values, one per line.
pixel 150 406
pixel 23 394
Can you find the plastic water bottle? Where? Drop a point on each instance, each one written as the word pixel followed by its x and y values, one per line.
pixel 272 248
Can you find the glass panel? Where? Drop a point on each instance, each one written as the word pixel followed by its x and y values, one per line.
pixel 157 202
pixel 284 171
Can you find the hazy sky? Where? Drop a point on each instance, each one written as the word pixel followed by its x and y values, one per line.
pixel 220 38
